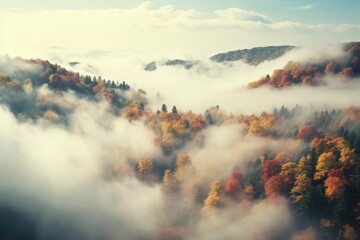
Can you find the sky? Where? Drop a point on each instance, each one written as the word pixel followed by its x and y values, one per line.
pixel 310 11
pixel 161 29
pixel 173 27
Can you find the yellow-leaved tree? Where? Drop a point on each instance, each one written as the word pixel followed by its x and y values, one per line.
pixel 302 185
pixel 214 197
pixel 326 162
pixel 145 169
pixel 184 168
pixel 302 179
pixel 347 157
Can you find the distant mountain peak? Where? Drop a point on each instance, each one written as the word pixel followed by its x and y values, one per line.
pixel 253 56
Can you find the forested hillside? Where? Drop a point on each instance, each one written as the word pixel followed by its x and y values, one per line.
pixel 312 73
pixel 214 170
pixel 253 56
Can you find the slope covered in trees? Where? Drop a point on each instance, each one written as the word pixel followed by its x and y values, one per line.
pixel 303 160
pixel 253 56
pixel 21 82
pixel 313 73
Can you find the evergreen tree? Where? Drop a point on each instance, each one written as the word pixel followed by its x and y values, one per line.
pixel 209 119
pixel 341 131
pixel 275 111
pixel 164 108
pixel 141 106
pixel 284 112
pixel 87 80
pixel 352 139
pixel 357 145
pixel 339 214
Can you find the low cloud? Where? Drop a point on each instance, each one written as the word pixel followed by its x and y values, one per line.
pixel 262 220
pixel 54 179
pixel 224 147
pixel 55 175
pixel 225 84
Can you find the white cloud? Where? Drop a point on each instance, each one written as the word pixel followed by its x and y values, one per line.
pixel 148 29
pixel 305 7
pixel 263 220
pixel 55 174
pixel 237 14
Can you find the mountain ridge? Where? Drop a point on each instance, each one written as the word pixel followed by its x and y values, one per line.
pixel 253 56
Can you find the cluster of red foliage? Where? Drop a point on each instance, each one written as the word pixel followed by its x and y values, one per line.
pixel 307 133
pixel 271 168
pixel 233 186
pixel 293 73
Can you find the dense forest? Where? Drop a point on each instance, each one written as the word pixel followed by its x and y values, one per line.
pixel 312 73
pixel 215 170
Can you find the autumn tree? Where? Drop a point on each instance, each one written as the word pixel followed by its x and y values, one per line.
pixel 234 185
pixel 330 68
pixel 347 73
pixel 301 187
pixel 283 157
pixel 51 116
pixel 198 123
pixel 347 157
pixel 167 139
pixel 348 232
pixel 277 185
pixel 307 234
pixel 256 129
pixel 213 199
pixel 181 127
pixel 307 133
pixel 168 179
pixel 335 183
pixel 307 197
pixel 288 169
pixel 184 168
pixel 133 111
pixel 326 162
pixel 271 168
pixel 145 169
pixel 334 187
pixel 305 167
pixel 249 192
